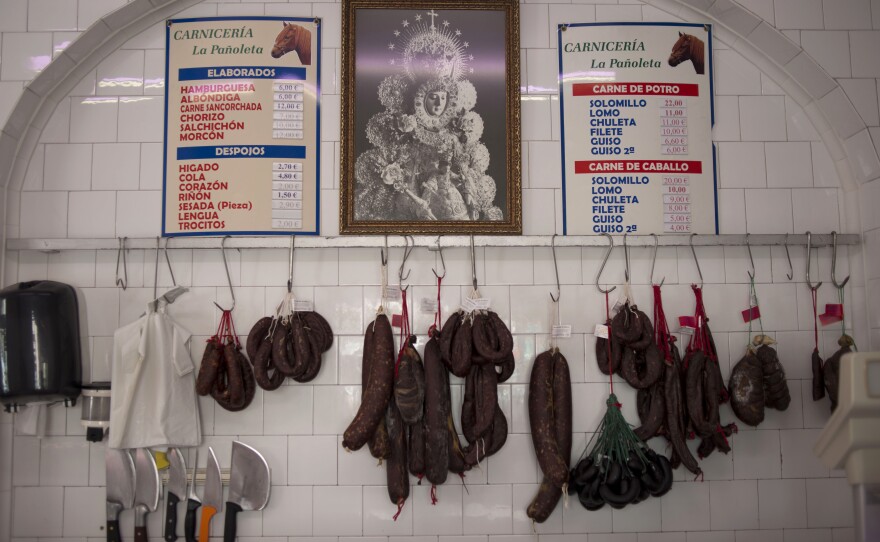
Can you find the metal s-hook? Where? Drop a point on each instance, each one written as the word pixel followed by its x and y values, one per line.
pixel 751 260
pixel 556 269
pixel 604 261
pixel 625 259
pixel 442 261
pixel 383 253
pixel 409 243
pixel 790 274
pixel 228 276
pixel 834 263
pixel 473 264
pixel 654 259
pixel 809 261
pixel 120 253
pixel 696 261
pixel 290 264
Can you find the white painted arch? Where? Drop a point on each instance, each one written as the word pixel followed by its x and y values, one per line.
pixel 768 49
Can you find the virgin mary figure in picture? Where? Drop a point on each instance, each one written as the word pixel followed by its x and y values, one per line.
pixel 426 160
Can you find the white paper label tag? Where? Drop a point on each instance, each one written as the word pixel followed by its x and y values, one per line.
pixel 392 292
pixel 303 305
pixel 561 331
pixel 481 303
pixel 686 330
pixel 601 331
pixel 427 304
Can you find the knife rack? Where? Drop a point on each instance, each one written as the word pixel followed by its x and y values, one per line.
pixel 200 476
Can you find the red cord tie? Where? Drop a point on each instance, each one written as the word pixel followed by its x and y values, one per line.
pixel 433 495
pixel 404 331
pixel 399 509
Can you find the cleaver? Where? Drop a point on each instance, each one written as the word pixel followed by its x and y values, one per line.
pixel 146 492
pixel 176 491
pixel 249 483
pixel 120 488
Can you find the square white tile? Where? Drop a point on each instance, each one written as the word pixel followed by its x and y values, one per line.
pixel 337 510
pixel 91 215
pixel 68 167
pixel 93 119
pixel 115 166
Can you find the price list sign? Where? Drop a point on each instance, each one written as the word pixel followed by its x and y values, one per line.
pixel 242 126
pixel 637 117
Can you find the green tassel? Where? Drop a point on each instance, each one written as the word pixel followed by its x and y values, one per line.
pixel 615 439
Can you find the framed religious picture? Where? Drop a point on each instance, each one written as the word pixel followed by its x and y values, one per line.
pixel 430 117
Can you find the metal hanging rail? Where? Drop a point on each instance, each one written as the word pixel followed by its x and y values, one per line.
pixel 431 242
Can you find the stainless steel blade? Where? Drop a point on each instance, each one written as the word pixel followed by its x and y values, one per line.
pixel 176 473
pixel 147 475
pixel 213 496
pixel 120 477
pixel 249 479
pixel 192 483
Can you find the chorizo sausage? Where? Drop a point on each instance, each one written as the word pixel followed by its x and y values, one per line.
pixel 543 427
pixel 544 502
pixel 437 404
pixel 398 479
pixel 209 368
pixel 257 335
pixel 409 384
pixel 377 394
pixel 462 344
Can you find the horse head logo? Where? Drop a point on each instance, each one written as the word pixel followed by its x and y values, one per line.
pixel 688 47
pixel 294 37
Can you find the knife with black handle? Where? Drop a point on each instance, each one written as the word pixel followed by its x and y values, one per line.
pixel 249 484
pixel 192 504
pixel 176 490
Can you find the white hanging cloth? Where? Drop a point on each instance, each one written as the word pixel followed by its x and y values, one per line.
pixel 153 400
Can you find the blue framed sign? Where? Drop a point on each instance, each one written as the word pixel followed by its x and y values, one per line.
pixel 242 126
pixel 637 115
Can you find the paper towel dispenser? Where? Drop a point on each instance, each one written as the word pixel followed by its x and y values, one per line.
pixel 851 438
pixel 40 358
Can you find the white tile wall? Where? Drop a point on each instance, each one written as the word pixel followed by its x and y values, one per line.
pixel 774 173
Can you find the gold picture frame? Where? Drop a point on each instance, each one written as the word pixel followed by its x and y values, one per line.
pixel 430 117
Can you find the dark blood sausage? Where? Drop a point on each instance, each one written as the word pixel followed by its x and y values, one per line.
pixel 695 392
pixel 818 376
pixel 485 398
pixel 544 502
pixel 462 344
pixel 447 334
pixel 499 432
pixel 257 335
pixel 379 446
pixel 398 479
pixel 647 338
pixel 656 414
pixel 652 360
pixel 437 405
pixel 603 350
pixel 210 367
pixel 562 406
pixel 747 390
pixel 492 339
pixel 318 326
pixel 416 449
pixel 409 384
pixel 313 363
pixel 263 364
pixel 234 376
pixel 776 394
pixel 280 340
pixel 469 408
pixel 626 325
pixel 542 423
pixel 299 344
pixel 375 398
pixel 250 387
pixel 506 368
pixel 676 424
